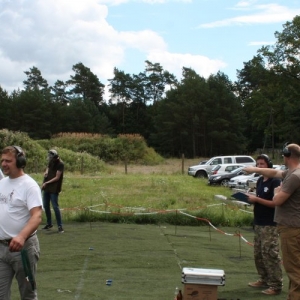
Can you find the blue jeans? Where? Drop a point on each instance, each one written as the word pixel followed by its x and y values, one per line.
pixel 53 198
pixel 11 266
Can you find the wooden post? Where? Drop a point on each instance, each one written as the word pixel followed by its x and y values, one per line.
pixel 90 213
pixel 182 163
pixel 176 219
pixel 81 166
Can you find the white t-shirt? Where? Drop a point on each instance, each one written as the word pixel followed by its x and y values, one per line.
pixel 1 175
pixel 17 197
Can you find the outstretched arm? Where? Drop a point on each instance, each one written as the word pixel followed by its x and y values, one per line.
pixel 267 172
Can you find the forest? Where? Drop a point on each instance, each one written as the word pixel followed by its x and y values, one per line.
pixel 194 116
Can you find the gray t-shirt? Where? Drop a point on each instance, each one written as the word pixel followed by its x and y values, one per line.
pixel 288 214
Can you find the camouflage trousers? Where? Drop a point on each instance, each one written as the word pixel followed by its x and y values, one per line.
pixel 266 255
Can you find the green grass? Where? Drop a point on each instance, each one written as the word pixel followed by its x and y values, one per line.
pixel 122 195
pixel 144 261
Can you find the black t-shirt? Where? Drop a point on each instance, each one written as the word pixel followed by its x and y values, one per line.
pixel 53 167
pixel 263 215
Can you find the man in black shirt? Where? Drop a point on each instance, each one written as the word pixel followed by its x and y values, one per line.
pixel 51 187
pixel 266 245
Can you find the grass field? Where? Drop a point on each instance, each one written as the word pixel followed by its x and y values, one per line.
pixel 147 188
pixel 143 261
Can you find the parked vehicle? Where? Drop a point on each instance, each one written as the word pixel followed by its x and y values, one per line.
pixel 202 171
pixel 223 169
pixel 223 179
pixel 240 182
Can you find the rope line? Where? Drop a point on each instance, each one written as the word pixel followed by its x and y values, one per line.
pixel 156 212
pixel 217 229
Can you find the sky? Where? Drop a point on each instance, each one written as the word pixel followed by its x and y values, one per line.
pixel 205 35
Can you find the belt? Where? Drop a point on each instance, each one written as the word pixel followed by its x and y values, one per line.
pixel 7 242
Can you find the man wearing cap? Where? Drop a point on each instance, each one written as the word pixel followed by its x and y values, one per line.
pixel 53 178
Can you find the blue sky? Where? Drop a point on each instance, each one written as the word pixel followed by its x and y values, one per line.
pixel 205 35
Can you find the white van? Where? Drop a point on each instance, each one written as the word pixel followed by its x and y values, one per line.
pixel 202 171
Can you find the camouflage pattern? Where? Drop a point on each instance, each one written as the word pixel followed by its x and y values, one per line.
pixel 266 255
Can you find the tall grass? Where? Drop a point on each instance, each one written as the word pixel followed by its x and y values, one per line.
pixel 147 198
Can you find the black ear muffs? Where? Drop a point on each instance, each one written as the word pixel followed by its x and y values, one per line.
pixel 55 156
pixel 267 158
pixel 20 157
pixel 285 151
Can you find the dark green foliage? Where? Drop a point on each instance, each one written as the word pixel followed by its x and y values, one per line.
pixel 33 114
pixel 198 117
pixel 86 85
pixel 35 81
pixel 268 86
pixel 6 109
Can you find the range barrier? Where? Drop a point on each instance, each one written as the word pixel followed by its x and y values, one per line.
pixel 135 211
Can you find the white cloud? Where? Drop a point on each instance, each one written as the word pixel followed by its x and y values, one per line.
pixel 269 13
pixel 261 43
pixel 244 4
pixel 54 35
pixel 118 2
pixel 146 40
pixel 174 62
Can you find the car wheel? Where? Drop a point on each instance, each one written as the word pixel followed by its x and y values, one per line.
pixel 200 174
pixel 224 182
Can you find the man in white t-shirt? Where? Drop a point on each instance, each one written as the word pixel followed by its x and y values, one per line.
pixel 20 216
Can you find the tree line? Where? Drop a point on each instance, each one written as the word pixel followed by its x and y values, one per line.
pixel 196 116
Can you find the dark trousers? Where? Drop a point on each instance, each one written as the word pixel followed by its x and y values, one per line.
pixel 53 199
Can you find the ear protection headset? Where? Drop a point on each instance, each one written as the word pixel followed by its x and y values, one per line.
pixel 20 157
pixel 267 159
pixel 286 152
pixel 54 155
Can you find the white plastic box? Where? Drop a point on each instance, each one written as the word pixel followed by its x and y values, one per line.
pixel 203 276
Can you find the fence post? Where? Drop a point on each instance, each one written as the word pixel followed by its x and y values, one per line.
pixel 182 163
pixel 125 165
pixel 81 166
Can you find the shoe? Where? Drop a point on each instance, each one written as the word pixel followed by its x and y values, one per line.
pixel 48 226
pixel 258 284
pixel 272 291
pixel 60 229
